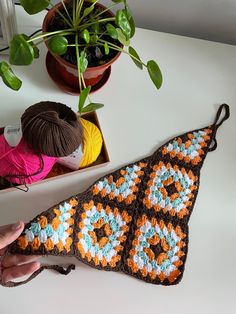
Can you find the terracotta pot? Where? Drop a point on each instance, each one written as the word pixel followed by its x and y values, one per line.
pixel 68 71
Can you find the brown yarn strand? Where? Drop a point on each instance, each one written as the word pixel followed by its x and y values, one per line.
pixel 60 269
pixel 22 177
pixel 52 129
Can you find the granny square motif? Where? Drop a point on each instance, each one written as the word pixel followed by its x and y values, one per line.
pixel 134 220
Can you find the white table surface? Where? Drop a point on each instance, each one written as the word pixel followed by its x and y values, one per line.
pixel 198 76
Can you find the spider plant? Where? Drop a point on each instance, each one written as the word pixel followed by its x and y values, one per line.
pixel 88 27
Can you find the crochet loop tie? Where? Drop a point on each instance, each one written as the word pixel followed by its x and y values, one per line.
pixel 218 123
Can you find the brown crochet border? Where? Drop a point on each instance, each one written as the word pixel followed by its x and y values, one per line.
pixel 87 195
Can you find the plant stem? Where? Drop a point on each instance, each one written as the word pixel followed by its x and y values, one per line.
pixel 101 34
pixel 40 42
pixel 93 4
pixel 77 13
pixel 117 48
pixel 63 32
pixel 79 8
pixel 107 9
pixel 73 12
pixel 71 21
pixel 78 60
pixel 58 12
pixel 96 2
pixel 73 45
pixel 100 21
pixel 83 81
pixel 81 18
pixel 46 39
pixel 90 100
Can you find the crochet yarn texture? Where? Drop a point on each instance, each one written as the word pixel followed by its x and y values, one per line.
pixel 134 220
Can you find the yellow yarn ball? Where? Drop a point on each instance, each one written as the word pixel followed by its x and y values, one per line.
pixel 92 143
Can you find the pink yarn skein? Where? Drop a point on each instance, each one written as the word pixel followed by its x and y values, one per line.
pixel 20 160
pixel 49 130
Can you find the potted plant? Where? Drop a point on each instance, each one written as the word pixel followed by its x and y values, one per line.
pixel 84 38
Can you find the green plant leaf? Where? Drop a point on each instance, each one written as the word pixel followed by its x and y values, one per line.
pixel 58 44
pixel 131 20
pixel 87 11
pixel 8 76
pixel 85 35
pixel 117 1
pixel 95 27
pixel 94 39
pixel 36 49
pixel 21 52
pixel 83 62
pixel 134 54
pixel 34 6
pixel 106 48
pixel 83 96
pixel 121 37
pixel 111 31
pixel 154 73
pixel 123 23
pixel 92 107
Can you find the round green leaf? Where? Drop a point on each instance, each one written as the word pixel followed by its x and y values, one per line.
pixel 36 49
pixel 95 27
pixel 135 55
pixel 58 44
pixel 8 77
pixel 121 37
pixel 123 23
pixel 111 31
pixel 154 73
pixel 85 35
pixel 131 20
pixel 94 39
pixel 34 6
pixel 21 52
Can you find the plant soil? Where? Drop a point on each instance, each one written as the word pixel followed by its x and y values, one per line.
pixel 95 54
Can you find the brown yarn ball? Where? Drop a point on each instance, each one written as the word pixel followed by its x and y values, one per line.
pixel 51 129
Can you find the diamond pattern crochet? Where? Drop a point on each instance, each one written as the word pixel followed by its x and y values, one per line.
pixel 133 220
pixel 102 233
pixel 124 188
pixel 157 251
pixel 170 189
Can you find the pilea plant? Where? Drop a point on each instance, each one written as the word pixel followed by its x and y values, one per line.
pixel 83 27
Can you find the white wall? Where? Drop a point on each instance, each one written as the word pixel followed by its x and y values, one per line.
pixel 209 19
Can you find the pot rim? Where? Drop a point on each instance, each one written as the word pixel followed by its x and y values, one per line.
pixel 60 59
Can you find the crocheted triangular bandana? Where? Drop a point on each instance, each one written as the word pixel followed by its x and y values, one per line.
pixel 134 220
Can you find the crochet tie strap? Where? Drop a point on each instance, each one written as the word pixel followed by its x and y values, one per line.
pixel 218 123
